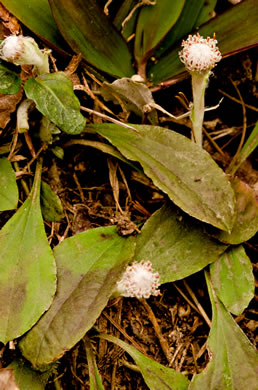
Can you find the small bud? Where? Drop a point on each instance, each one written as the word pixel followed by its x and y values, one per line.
pixel 139 281
pixel 22 50
pixel 199 54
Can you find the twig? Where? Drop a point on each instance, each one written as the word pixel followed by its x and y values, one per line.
pixel 108 118
pixel 186 298
pixel 14 143
pixel 131 366
pixel 216 146
pixel 200 308
pixel 121 330
pixel 162 340
pixel 75 178
pixel 231 165
pixel 143 2
pixel 238 101
pixel 194 358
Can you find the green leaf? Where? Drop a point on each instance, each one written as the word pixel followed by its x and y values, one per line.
pixel 236 30
pixel 154 21
pixel 88 266
pixel 10 81
pixel 180 168
pixel 37 16
pixel 124 15
pixel 250 145
pixel 234 361
pixel 185 23
pixel 28 273
pixel 8 186
pixel 95 378
pixel 156 376
pixel 175 244
pixel 27 378
pixel 246 222
pixel 88 31
pixel 51 206
pixel 233 279
pixel 54 97
pixel 207 12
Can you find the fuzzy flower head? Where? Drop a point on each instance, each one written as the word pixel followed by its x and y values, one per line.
pixel 199 54
pixel 139 280
pixel 22 50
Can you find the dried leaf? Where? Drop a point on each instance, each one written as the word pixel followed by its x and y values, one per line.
pixel 8 105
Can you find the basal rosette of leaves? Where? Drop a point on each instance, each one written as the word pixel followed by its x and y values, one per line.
pixel 174 238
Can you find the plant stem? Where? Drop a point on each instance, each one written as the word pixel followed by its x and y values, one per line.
pixel 199 83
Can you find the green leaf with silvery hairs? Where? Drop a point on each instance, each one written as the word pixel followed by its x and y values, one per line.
pixel 179 167
pixel 54 97
pixel 28 271
pixel 233 359
pixel 51 206
pixel 8 186
pixel 83 289
pixel 10 81
pixel 233 279
pixel 156 376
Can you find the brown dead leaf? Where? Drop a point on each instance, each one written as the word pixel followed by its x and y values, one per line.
pixel 9 23
pixel 7 381
pixel 8 105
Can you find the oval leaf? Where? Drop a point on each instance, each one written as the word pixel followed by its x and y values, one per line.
pixel 10 81
pixel 84 286
pixel 207 12
pixel 154 21
pixel 180 168
pixel 236 30
pixel 156 376
pixel 51 206
pixel 28 273
pixel 233 279
pixel 185 23
pixel 54 97
pixel 175 244
pixel 27 378
pixel 8 186
pixel 37 16
pixel 246 223
pixel 234 360
pixel 89 32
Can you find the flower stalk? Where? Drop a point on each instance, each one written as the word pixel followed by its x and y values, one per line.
pixel 199 55
pixel 199 84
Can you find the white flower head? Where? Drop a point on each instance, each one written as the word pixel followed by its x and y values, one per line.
pixel 200 54
pixel 139 280
pixel 22 50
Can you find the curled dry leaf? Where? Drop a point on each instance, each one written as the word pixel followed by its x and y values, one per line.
pixel 8 105
pixel 9 22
